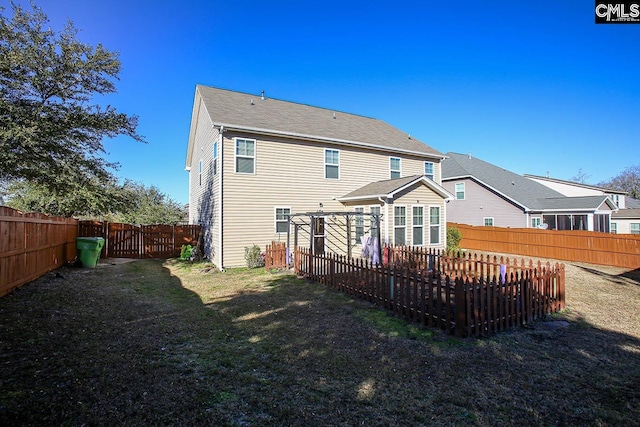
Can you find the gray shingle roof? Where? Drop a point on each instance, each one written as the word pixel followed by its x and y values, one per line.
pixel 523 191
pixel 626 214
pixel 250 112
pixel 380 188
pixel 388 187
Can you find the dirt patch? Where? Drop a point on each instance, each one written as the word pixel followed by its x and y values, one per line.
pixel 153 343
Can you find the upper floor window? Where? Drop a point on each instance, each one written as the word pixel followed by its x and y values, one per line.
pixel 488 222
pixel 428 170
pixel 215 157
pixel 615 199
pixel 395 167
pixel 200 172
pixel 460 191
pixel 331 164
pixel 245 156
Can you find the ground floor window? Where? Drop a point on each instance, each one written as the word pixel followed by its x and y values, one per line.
pixel 535 222
pixel 400 225
pixel 282 220
pixel 375 210
pixel 434 225
pixel 417 219
pixel 614 228
pixel 635 228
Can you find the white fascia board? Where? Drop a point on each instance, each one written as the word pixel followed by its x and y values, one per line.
pixel 295 135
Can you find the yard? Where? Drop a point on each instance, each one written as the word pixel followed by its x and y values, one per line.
pixel 155 342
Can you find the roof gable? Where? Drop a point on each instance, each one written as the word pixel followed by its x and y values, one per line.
pixel 242 111
pixel 388 188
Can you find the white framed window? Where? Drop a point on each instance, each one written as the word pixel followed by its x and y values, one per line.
pixel 614 228
pixel 245 156
pixel 282 219
pixel 460 191
pixel 417 222
pixel 399 225
pixel 488 221
pixel 359 225
pixel 200 172
pixel 395 167
pixel 635 228
pixel 375 209
pixel 535 222
pixel 215 157
pixel 428 170
pixel 434 225
pixel 331 164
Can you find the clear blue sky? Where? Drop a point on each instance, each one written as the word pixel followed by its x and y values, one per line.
pixel 529 86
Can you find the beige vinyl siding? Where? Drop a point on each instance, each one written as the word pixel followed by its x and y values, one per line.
pixel 292 174
pixel 203 196
pixel 480 203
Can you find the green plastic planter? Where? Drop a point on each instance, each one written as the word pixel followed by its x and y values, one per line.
pixel 89 250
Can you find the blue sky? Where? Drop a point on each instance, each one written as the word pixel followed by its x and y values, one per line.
pixel 532 87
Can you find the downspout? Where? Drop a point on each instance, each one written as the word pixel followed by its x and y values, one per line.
pixel 220 188
pixel 386 220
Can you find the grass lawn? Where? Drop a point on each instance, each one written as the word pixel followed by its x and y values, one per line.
pixel 156 342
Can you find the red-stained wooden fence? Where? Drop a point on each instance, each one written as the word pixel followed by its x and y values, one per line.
pixel 622 250
pixel 33 244
pixel 454 295
pixel 140 241
pixel 275 255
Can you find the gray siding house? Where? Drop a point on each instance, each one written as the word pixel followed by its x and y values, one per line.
pixel 489 195
pixel 254 162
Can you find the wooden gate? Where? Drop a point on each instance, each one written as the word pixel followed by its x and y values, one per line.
pixel 157 241
pixel 123 240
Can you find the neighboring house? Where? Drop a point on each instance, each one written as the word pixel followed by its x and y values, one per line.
pixel 253 161
pixel 576 189
pixel 624 221
pixel 489 195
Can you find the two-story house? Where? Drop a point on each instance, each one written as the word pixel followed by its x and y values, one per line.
pixel 486 194
pixel 255 162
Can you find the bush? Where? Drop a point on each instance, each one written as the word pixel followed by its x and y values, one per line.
pixel 453 238
pixel 185 252
pixel 253 256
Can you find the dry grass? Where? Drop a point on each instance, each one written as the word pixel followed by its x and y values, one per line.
pixel 153 343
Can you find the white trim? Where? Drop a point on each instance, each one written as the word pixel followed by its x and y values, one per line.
pixel 272 132
pixel 254 157
pixel 413 225
pixel 275 219
pixel 440 210
pixel 331 164
pixel 396 226
pixel 399 171
pixel 464 190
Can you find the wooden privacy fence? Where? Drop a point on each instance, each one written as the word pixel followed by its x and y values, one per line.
pixel 33 244
pixel 275 255
pixel 140 241
pixel 459 301
pixel 621 250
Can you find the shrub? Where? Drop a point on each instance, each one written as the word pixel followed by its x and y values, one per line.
pixel 253 256
pixel 453 238
pixel 185 252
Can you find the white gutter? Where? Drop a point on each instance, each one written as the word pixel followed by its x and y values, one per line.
pixel 326 139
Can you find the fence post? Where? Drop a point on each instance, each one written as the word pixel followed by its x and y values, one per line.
pixel 460 308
